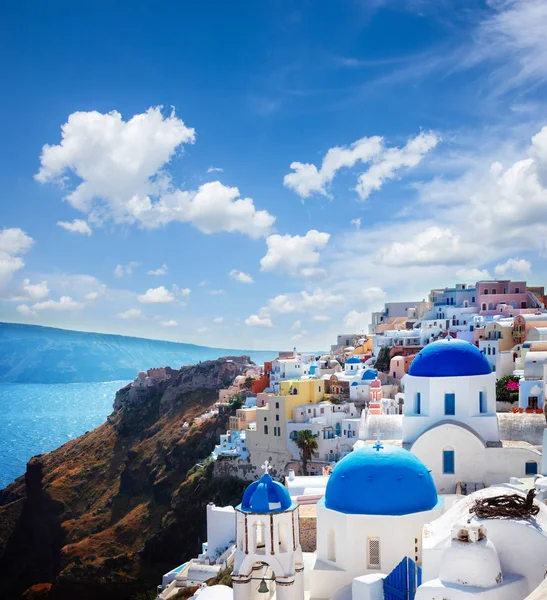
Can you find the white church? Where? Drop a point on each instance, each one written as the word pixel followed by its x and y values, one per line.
pixel 390 524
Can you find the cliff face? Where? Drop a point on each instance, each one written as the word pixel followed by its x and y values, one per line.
pixel 108 513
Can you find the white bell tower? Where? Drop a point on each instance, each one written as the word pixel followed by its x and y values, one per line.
pixel 268 546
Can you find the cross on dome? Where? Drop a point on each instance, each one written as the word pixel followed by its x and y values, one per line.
pixel 266 467
pixel 378 445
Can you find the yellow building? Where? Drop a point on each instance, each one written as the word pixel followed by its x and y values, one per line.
pixel 269 440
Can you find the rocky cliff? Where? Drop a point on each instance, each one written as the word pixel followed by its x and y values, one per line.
pixel 107 513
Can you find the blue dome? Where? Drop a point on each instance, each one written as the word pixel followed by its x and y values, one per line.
pixel 449 358
pixel 265 496
pixel 380 480
pixel 369 375
pixel 353 360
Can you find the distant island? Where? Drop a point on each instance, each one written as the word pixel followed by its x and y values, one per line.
pixel 35 354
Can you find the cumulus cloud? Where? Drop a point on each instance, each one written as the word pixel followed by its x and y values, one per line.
pixel 519 266
pixel 159 295
pixel 373 295
pixel 121 169
pixel 262 319
pixel 131 313
pixel 92 296
pixel 289 254
pixel 125 270
pixel 159 271
pixel 214 170
pixel 76 226
pixel 313 272
pixel 36 291
pixel 393 160
pixel 304 301
pixel 169 323
pixel 64 304
pixel 307 178
pixel 356 223
pixel 241 276
pixel 472 275
pixel 25 310
pixel 356 321
pixel 218 320
pixel 13 243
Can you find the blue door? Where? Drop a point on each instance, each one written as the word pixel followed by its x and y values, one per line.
pixel 448 462
pixel 402 582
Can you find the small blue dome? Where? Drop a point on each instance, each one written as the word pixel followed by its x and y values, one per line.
pixel 352 360
pixel 449 358
pixel 369 375
pixel 380 480
pixel 265 496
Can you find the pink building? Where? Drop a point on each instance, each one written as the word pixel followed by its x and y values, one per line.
pixel 505 297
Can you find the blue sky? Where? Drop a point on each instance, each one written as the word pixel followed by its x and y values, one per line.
pixel 263 174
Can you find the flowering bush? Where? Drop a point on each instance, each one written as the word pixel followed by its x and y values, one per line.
pixel 507 389
pixel 512 386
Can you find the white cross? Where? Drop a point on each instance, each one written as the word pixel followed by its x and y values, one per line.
pixel 266 467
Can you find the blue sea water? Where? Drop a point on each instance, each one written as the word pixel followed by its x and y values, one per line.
pixel 37 417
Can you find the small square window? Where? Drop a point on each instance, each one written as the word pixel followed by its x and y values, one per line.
pixel 277 417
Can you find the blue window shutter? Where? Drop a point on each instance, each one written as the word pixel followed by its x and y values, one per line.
pixel 450 404
pixel 531 468
pixel 448 462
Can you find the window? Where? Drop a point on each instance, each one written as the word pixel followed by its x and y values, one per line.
pixel 494 291
pixel 450 404
pixel 517 290
pixel 277 404
pixel 418 403
pixel 265 430
pixel 277 417
pixel 319 388
pixel 473 299
pixel 488 351
pixel 373 553
pixel 531 467
pixel 493 351
pixel 482 403
pixel 448 462
pixel 485 291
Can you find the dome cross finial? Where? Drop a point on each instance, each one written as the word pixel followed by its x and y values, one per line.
pixel 266 467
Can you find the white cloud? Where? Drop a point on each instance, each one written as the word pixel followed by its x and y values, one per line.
pixel 321 318
pixel 240 276
pixel 76 226
pixel 36 291
pixel 64 304
pixel 373 295
pixel 25 310
pixel 159 271
pixel 307 178
pixel 217 292
pixel 202 283
pixel 394 159
pixel 262 319
pixel 132 313
pixel 214 170
pixel 184 292
pixel 520 266
pixel 289 254
pixel 125 270
pixel 203 330
pixel 218 320
pixel 472 275
pixel 121 166
pixel 356 321
pixel 356 223
pixel 313 273
pixel 304 301
pixel 159 295
pixel 92 296
pixel 13 241
pixel 170 323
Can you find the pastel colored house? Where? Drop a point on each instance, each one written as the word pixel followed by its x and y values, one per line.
pixel 399 365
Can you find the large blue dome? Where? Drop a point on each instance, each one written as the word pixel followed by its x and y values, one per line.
pixel 380 480
pixel 449 358
pixel 265 496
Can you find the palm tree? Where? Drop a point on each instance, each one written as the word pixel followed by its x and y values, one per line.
pixel 307 444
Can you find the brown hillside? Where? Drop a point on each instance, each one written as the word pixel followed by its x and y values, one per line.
pixel 108 513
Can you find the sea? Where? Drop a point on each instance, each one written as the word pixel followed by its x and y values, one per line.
pixel 37 417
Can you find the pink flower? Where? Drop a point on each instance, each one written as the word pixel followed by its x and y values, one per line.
pixel 513 386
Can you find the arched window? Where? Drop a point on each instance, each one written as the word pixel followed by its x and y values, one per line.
pixel 449 465
pixel 490 305
pixel 259 537
pixel 483 306
pixel 331 545
pixel 531 467
pixel 418 407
